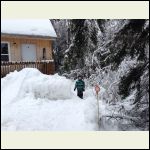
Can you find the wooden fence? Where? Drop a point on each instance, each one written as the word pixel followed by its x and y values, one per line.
pixel 46 67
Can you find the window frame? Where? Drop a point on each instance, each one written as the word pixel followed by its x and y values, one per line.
pixel 8 43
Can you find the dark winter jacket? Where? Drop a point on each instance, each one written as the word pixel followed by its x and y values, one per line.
pixel 80 85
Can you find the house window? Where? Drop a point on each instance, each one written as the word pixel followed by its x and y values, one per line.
pixel 4 52
pixel 44 53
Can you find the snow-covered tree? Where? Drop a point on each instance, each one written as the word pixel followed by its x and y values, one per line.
pixel 115 54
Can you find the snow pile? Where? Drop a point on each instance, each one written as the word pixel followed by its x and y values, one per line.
pixel 32 101
pixel 34 27
pixel 32 82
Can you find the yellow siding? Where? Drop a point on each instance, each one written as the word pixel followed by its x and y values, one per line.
pixel 15 47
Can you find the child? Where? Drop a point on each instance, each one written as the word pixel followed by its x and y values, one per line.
pixel 80 85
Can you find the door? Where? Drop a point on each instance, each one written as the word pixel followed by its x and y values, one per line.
pixel 28 52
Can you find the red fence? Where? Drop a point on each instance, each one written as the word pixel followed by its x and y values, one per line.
pixel 46 67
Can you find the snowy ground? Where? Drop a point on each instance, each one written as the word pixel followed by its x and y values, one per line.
pixel 32 101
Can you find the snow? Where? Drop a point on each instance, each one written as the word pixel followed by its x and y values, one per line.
pixel 114 110
pixel 34 27
pixel 32 101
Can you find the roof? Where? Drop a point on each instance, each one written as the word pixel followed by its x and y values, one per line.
pixel 29 27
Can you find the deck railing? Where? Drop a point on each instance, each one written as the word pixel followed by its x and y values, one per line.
pixel 46 67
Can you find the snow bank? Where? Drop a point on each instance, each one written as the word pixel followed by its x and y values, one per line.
pixel 32 101
pixel 32 82
pixel 38 27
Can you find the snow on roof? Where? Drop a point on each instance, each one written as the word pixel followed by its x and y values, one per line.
pixel 34 27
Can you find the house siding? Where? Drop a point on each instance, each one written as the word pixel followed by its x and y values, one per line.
pixel 16 42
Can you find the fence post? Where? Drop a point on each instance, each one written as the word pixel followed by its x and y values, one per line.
pixel 50 67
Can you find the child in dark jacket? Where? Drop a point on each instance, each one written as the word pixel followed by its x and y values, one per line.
pixel 80 86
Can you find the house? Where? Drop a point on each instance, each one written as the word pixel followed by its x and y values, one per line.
pixel 27 40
